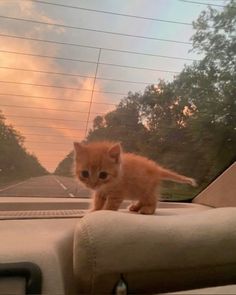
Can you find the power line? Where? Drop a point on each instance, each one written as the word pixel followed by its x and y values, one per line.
pixel 94 47
pixel 54 98
pixel 49 109
pixel 44 135
pixel 54 150
pixel 16 106
pixel 112 13
pixel 95 30
pixel 41 118
pixel 69 74
pixel 137 68
pixel 56 119
pixel 46 118
pixel 91 62
pixel 48 127
pixel 50 152
pixel 51 119
pixel 48 56
pixel 60 87
pixel 46 142
pixel 196 2
pixel 77 75
pixel 46 72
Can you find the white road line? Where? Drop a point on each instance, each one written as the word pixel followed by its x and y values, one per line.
pixel 64 187
pixel 13 185
pixel 61 184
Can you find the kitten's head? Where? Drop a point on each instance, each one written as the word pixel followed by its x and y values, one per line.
pixel 97 163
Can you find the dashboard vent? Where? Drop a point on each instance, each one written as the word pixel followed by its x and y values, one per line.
pixel 41 214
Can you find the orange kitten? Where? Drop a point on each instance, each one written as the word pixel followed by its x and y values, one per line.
pixel 115 176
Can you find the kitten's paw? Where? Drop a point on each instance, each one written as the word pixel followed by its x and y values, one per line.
pixel 193 182
pixel 147 210
pixel 133 207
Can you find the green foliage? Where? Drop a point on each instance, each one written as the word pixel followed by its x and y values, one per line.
pixel 209 86
pixel 124 125
pixel 215 37
pixel 65 167
pixel 15 161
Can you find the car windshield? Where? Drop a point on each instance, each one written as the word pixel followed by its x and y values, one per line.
pixel 157 76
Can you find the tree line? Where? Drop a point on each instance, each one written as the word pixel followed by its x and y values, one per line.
pixel 15 162
pixel 189 124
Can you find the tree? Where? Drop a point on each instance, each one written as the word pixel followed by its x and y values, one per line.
pixel 15 161
pixel 65 167
pixel 209 86
pixel 166 119
pixel 124 124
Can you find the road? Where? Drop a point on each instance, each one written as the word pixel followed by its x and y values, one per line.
pixel 47 186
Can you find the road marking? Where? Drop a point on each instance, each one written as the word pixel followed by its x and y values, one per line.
pixel 61 184
pixel 13 185
pixel 64 187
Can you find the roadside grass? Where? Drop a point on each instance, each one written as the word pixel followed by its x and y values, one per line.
pixel 6 181
pixel 179 192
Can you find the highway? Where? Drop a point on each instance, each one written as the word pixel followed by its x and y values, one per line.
pixel 46 186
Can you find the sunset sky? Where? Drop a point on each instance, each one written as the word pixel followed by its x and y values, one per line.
pixel 51 118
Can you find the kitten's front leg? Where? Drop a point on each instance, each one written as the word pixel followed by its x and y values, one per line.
pixel 97 202
pixel 113 203
pixel 135 206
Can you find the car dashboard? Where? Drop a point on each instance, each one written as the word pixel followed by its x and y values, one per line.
pixel 65 249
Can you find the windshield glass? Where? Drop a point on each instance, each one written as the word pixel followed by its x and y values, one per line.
pixel 159 78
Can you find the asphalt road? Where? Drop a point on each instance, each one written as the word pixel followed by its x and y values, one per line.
pixel 47 186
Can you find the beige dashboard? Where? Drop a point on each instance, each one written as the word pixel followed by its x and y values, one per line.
pixel 79 252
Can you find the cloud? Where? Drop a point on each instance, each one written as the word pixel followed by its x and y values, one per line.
pixel 29 11
pixel 63 132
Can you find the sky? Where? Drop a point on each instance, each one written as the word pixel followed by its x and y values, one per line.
pixel 51 109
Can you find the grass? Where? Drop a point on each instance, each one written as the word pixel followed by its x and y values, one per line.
pixel 5 181
pixel 179 192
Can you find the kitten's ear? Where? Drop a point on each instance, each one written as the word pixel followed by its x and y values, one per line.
pixel 114 152
pixel 78 147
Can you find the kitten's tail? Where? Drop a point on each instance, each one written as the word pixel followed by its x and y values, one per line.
pixel 171 175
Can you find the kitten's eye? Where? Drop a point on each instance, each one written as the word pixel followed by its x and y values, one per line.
pixel 84 174
pixel 103 175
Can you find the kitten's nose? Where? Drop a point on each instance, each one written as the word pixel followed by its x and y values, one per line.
pixel 94 184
